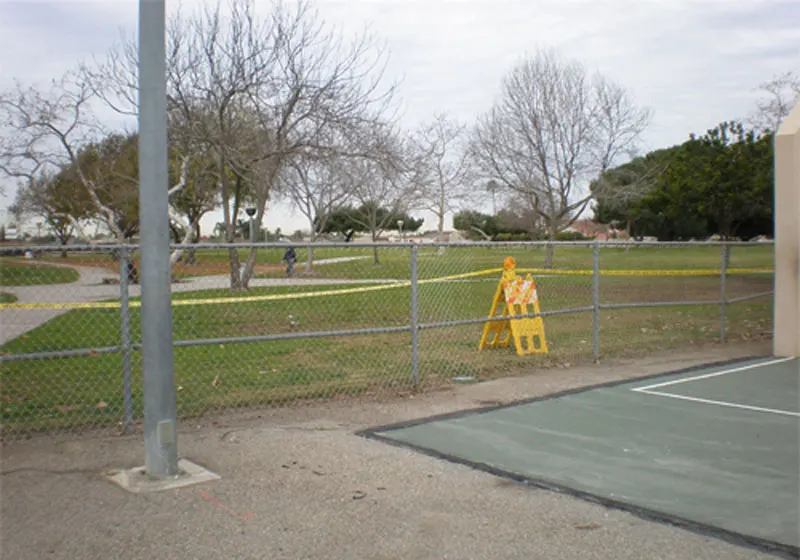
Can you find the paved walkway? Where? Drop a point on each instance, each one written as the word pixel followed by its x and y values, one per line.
pixel 297 483
pixel 90 287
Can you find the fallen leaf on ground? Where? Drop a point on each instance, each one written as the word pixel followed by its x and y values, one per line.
pixel 64 408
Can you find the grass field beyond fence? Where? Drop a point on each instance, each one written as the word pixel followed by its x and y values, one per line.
pixel 19 273
pixel 86 391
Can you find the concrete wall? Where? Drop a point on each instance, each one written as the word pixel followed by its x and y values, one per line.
pixel 787 236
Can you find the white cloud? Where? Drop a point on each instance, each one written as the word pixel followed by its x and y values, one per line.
pixel 695 62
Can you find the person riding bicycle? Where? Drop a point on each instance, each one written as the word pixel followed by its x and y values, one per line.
pixel 289 257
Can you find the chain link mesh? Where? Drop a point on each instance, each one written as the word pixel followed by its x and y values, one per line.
pixel 341 326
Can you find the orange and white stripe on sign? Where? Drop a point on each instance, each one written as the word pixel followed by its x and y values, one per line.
pixel 520 292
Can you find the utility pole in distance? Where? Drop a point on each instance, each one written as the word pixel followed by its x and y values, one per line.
pixel 160 434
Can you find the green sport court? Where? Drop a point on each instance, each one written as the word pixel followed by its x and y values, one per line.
pixel 714 449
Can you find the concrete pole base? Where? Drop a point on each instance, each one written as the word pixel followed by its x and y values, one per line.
pixel 137 481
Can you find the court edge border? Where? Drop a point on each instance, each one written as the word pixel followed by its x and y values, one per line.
pixel 647 514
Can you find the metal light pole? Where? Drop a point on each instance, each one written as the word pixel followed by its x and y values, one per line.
pixel 160 438
pixel 400 226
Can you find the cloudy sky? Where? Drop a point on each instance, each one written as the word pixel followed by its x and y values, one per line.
pixel 693 62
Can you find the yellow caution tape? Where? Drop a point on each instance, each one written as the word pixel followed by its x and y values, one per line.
pixel 460 276
pixel 68 305
pixel 655 272
pixel 321 293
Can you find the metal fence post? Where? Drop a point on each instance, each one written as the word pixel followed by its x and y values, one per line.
pixel 414 320
pixel 124 263
pixel 723 297
pixel 596 302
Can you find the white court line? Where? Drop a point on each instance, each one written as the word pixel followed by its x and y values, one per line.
pixel 715 374
pixel 722 403
pixel 649 389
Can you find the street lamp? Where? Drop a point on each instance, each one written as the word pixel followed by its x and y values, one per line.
pixel 252 212
pixel 492 188
pixel 400 226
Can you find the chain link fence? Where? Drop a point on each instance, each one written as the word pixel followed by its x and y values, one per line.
pixel 358 320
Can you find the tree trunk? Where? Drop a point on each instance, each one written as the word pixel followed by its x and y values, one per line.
pixel 551 235
pixel 727 250
pixel 63 242
pixel 440 235
pixel 233 258
pixel 190 257
pixel 375 250
pixel 235 273
pixel 310 261
pixel 628 223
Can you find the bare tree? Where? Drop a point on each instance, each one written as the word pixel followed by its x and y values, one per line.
pixel 195 192
pixel 115 80
pixel 44 131
pixel 53 134
pixel 781 94
pixel 493 188
pixel 263 92
pixel 382 192
pixel 552 129
pixel 256 93
pixel 317 187
pixel 441 160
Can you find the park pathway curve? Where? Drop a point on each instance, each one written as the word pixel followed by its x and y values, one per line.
pixel 90 287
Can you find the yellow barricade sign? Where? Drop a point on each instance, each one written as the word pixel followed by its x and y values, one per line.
pixel 515 297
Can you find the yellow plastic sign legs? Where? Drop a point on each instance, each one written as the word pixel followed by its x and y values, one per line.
pixel 515 297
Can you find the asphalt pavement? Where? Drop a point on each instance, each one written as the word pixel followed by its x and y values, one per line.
pixel 299 482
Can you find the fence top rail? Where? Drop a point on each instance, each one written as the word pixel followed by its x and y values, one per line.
pixel 4 249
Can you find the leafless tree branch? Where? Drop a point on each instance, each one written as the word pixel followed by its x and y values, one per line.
pixel 554 128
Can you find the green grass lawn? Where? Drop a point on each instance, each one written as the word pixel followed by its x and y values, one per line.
pixel 86 391
pixel 6 297
pixel 395 263
pixel 18 273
